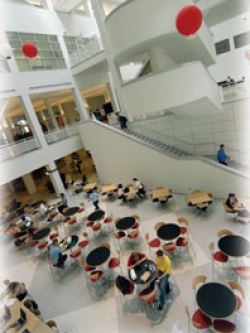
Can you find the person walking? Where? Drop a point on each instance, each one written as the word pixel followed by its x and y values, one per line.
pixel 94 197
pixel 222 157
pixel 122 120
pixel 164 267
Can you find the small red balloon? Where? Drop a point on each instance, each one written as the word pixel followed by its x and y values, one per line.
pixel 30 50
pixel 189 20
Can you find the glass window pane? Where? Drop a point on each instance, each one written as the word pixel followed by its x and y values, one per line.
pixel 46 54
pixel 50 64
pixel 23 65
pixel 15 44
pixel 52 38
pixel 61 63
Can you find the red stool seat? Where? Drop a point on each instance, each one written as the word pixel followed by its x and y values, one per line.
pixel 200 320
pixel 223 326
pixel 154 242
pixel 219 256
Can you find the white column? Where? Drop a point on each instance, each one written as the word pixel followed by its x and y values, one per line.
pixel 47 4
pixel 159 59
pixel 55 178
pixel 29 183
pixel 32 119
pixel 83 113
pixel 51 113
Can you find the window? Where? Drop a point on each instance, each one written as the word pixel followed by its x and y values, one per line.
pixel 242 40
pixel 74 44
pixel 222 47
pixel 49 55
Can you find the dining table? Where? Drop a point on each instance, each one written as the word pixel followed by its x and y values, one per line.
pixel 98 256
pixel 70 211
pixel 41 233
pixel 109 189
pixel 95 216
pixel 125 223
pixel 68 242
pixel 234 245
pixel 89 187
pixel 216 300
pixel 168 231
pixel 161 193
pixel 143 273
pixel 196 198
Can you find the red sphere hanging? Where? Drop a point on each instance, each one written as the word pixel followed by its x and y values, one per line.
pixel 189 20
pixel 30 50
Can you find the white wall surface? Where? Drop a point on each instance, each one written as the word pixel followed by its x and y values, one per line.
pixel 233 63
pixel 119 159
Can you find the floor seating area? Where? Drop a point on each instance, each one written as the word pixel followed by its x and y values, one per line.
pixel 98 243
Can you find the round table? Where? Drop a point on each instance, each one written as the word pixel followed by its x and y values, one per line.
pixel 98 256
pixel 234 245
pixel 216 300
pixel 169 231
pixel 40 234
pixel 68 242
pixel 139 270
pixel 70 211
pixel 125 223
pixel 96 215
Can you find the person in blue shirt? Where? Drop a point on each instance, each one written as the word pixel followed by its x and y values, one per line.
pixel 94 197
pixel 56 254
pixel 221 155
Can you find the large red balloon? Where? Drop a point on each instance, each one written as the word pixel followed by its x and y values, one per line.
pixel 189 20
pixel 30 50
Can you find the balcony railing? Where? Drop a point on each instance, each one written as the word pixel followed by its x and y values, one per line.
pixel 91 48
pixel 60 134
pixel 18 148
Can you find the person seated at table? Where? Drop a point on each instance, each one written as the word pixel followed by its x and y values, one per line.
pixel 135 259
pixel 140 187
pixel 15 289
pixel 14 205
pixel 120 193
pixel 232 202
pixel 164 267
pixel 56 254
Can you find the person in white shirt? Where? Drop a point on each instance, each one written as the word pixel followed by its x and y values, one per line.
pixel 43 208
pixel 121 193
pixel 140 187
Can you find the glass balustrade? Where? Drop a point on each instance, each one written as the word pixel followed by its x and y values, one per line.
pixel 20 147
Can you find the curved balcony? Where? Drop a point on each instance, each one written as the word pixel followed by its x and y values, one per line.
pixel 186 90
pixel 131 33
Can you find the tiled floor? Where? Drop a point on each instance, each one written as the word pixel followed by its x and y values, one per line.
pixel 67 299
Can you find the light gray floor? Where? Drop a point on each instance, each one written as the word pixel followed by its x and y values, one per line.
pixel 67 299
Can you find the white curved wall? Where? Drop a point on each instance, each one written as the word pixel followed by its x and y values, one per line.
pixel 181 88
pixel 133 26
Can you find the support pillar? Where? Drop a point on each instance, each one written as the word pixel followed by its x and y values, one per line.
pixel 29 183
pixel 55 178
pixel 83 113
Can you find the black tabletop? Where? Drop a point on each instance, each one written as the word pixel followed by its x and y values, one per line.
pixel 98 256
pixel 138 271
pixel 42 233
pixel 125 223
pixel 96 215
pixel 69 242
pixel 216 300
pixel 70 211
pixel 168 231
pixel 234 245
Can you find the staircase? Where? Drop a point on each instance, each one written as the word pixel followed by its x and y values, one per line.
pixel 168 149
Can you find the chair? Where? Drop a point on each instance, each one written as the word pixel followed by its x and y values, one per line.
pixel 158 225
pixel 153 243
pixel 243 272
pixel 84 242
pixel 183 225
pixel 119 235
pixel 96 227
pixel 223 326
pixel 133 237
pixel 239 293
pixel 54 234
pixel 96 284
pixel 150 302
pixel 181 243
pixel 198 319
pixel 169 248
pixel 76 255
pixel 224 232
pixel 198 281
pixel 108 221
pixel 126 288
pixel 219 259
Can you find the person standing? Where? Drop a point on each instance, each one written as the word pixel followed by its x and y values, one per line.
pixel 122 120
pixel 94 197
pixel 221 155
pixel 140 187
pixel 164 267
